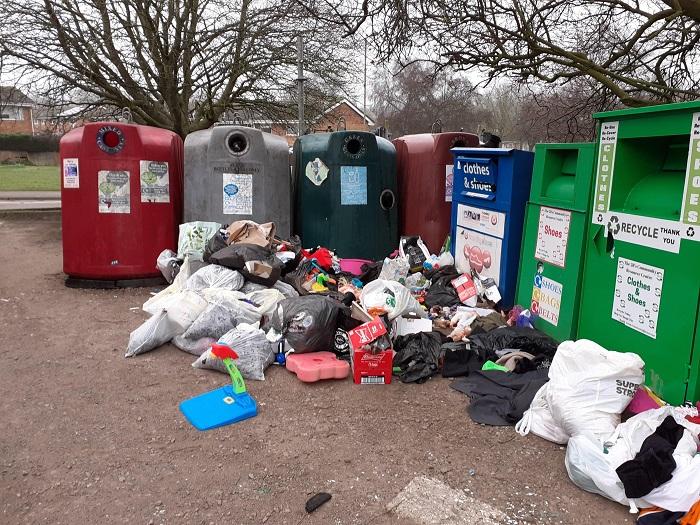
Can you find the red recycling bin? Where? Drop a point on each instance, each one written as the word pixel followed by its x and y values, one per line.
pixel 424 173
pixel 121 199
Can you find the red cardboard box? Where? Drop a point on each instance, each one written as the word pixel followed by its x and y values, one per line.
pixel 369 368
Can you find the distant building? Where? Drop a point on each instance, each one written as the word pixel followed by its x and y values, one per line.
pixel 16 112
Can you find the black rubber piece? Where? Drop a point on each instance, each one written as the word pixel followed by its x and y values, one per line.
pixel 316 501
pixel 99 284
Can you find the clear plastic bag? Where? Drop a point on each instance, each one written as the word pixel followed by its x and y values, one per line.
pixel 193 238
pixel 157 330
pixel 168 264
pixel 284 288
pixel 255 352
pixel 193 346
pixel 266 301
pixel 215 276
pixel 395 269
pixel 214 321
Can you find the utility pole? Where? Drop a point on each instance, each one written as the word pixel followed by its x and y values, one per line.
pixel 364 102
pixel 300 83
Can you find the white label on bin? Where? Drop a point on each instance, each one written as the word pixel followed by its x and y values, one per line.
pixel 546 299
pixel 604 173
pixel 638 296
pixel 690 212
pixel 480 252
pixel 449 181
pixel 651 232
pixel 316 171
pixel 353 185
pixel 155 181
pixel 486 221
pixel 114 193
pixel 553 236
pixel 71 174
pixel 238 193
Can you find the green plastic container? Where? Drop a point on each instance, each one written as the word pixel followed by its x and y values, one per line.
pixel 345 187
pixel 556 221
pixel 641 284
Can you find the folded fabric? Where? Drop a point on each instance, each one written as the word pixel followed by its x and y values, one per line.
pixel 654 464
pixel 511 360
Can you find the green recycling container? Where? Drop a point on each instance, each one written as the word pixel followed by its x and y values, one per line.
pixel 641 283
pixel 345 188
pixel 556 221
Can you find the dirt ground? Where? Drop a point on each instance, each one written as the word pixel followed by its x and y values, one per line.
pixel 91 437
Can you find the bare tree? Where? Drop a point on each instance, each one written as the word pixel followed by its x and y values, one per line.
pixel 411 100
pixel 641 52
pixel 177 64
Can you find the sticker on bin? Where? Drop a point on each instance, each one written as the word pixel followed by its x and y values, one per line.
pixel 316 171
pixel 638 296
pixel 114 194
pixel 71 174
pixel 651 232
pixel 546 299
pixel 155 181
pixel 238 194
pixel 604 173
pixel 478 178
pixel 479 252
pixel 690 212
pixel 479 219
pixel 353 185
pixel 553 236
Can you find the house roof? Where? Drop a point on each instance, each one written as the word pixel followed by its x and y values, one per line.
pixel 367 118
pixel 12 95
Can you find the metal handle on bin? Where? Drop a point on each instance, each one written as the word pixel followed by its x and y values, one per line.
pixel 436 127
pixel 341 120
pixel 127 116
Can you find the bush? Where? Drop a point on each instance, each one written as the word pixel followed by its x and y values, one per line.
pixel 29 143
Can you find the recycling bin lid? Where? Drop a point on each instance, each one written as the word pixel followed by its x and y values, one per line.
pixel 481 151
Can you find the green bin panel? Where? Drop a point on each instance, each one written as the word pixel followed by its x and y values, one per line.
pixel 549 281
pixel 641 283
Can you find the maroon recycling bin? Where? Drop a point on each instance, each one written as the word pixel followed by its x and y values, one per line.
pixel 424 173
pixel 121 200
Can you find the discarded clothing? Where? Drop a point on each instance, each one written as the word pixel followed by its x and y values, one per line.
pixel 441 291
pixel 487 323
pixel 500 398
pixel 511 360
pixel 654 464
pixel 658 516
pixel 525 339
pixel 458 360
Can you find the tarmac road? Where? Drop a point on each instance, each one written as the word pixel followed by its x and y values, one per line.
pixel 88 436
pixel 30 200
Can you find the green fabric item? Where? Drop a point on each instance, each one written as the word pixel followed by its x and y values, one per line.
pixel 490 365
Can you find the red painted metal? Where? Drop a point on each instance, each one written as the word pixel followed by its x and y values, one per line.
pixel 103 238
pixel 422 161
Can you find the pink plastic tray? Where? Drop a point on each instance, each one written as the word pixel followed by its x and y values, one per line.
pixel 316 366
pixel 353 266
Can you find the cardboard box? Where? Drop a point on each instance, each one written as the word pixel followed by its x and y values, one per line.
pixel 369 368
pixel 411 325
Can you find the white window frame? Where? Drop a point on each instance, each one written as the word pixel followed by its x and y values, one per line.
pixel 15 113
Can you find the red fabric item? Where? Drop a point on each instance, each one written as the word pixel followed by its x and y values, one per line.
pixel 693 419
pixel 322 255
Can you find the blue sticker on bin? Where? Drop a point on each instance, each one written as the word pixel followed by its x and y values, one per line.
pixel 353 185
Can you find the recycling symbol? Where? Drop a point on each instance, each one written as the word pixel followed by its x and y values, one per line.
pixel 690 232
pixel 614 225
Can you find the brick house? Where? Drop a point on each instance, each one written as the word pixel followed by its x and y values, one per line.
pixel 328 120
pixel 16 112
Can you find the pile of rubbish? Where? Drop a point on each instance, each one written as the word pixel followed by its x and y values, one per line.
pixel 413 316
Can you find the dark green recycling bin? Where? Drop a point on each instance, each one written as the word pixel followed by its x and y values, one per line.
pixel 345 187
pixel 556 220
pixel 641 283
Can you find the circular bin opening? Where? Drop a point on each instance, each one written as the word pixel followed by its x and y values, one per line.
pixel 353 146
pixel 111 139
pixel 387 199
pixel 237 143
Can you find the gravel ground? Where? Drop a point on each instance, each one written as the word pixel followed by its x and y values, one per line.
pixel 92 437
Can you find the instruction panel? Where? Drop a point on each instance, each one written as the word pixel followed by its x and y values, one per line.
pixel 353 185
pixel 546 299
pixel 238 193
pixel 113 192
pixel 638 296
pixel 449 181
pixel 155 181
pixel 553 236
pixel 71 174
pixel 474 250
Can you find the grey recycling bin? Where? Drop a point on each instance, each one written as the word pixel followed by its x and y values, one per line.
pixel 236 172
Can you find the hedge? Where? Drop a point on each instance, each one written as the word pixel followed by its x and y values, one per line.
pixel 29 143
